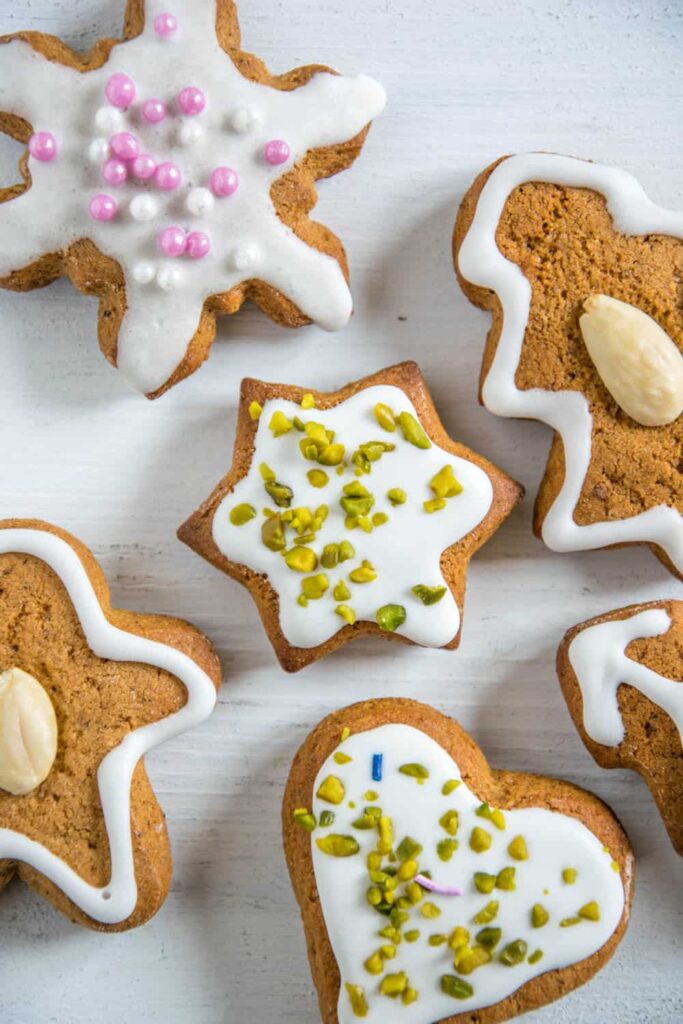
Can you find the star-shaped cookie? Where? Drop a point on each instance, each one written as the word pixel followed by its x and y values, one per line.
pixel 350 513
pixel 171 175
pixel 85 691
pixel 581 272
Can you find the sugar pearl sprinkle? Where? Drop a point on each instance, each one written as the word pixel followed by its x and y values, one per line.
pixel 43 146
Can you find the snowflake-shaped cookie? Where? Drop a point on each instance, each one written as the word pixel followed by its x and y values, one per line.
pixel 172 175
pixel 350 513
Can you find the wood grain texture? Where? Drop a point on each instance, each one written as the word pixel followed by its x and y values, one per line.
pixel 466 82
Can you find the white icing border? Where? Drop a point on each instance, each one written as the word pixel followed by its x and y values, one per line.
pixel 600 663
pixel 117 900
pixel 481 262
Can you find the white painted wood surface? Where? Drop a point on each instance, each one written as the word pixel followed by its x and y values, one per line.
pixel 466 81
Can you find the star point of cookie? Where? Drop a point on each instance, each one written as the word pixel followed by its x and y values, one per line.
pixel 85 692
pixel 191 171
pixel 350 513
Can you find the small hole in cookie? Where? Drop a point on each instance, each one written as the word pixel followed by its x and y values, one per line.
pixel 106 895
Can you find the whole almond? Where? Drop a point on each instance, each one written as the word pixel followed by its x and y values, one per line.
pixel 28 732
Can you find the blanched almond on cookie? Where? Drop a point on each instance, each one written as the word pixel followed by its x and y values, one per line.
pixel 28 732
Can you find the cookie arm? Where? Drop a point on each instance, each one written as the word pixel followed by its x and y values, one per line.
pixel 29 82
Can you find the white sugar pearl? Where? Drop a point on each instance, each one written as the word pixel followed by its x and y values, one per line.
pixel 108 119
pixel 143 207
pixel 169 278
pixel 98 151
pixel 144 272
pixel 244 120
pixel 200 202
pixel 244 257
pixel 189 133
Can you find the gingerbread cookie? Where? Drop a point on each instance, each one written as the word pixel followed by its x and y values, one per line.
pixel 350 513
pixel 434 888
pixel 581 272
pixel 172 175
pixel 622 678
pixel 85 691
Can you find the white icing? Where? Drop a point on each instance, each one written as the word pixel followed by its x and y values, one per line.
pixel 567 412
pixel 405 551
pixel 598 656
pixel 53 213
pixel 115 901
pixel 554 841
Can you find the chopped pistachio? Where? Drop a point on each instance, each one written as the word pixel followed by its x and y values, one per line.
pixel 434 505
pixel 494 816
pixel 280 493
pixel 338 846
pixel 302 601
pixel 341 592
pixel 518 849
pixel 535 957
pixel 397 496
pixel 484 883
pixel 394 985
pixel 415 771
pixel 458 938
pixel 346 551
pixel 313 587
pixel 365 573
pixel 391 933
pixel 414 893
pixel 255 410
pixel 428 595
pixel 241 514
pixel 412 431
pixel 346 613
pixel 298 423
pixel 487 913
pixel 430 910
pixel 308 401
pixel 356 500
pixel 445 849
pixel 267 474
pixel 326 818
pixel 365 523
pixel 331 790
pixel 302 816
pixel 330 556
pixel 449 786
pixel 408 849
pixel 450 821
pixel 480 840
pixel 341 758
pixel 590 911
pixel 280 424
pixel 370 794
pixel 437 940
pixel 407 870
pixel 456 987
pixel 273 533
pixel 374 964
pixel 398 917
pixel 374 896
pixel 444 484
pixel 539 916
pixel 301 559
pixel 569 876
pixel 409 996
pixel 386 835
pixel 467 960
pixel 385 417
pixel 380 518
pixel 568 922
pixel 514 953
pixel 505 879
pixel 317 477
pixel 332 455
pixel 412 936
pixel 390 617
pixel 489 937
pixel 357 999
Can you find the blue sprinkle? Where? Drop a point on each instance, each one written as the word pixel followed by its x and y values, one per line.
pixel 376 767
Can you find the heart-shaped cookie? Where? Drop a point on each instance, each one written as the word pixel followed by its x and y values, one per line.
pixel 434 888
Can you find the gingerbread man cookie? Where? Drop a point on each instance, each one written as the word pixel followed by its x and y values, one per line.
pixel 85 691
pixel 350 513
pixel 171 175
pixel 581 272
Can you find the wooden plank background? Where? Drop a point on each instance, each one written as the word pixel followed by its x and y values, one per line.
pixel 466 82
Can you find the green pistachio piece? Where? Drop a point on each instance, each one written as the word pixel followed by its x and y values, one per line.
pixel 429 595
pixel 308 401
pixel 412 431
pixel 338 846
pixel 412 936
pixel 437 940
pixel 484 883
pixel 394 985
pixel 346 613
pixel 535 957
pixel 326 819
pixel 273 534
pixel 456 987
pixel 380 518
pixel 298 424
pixel 374 964
pixel 409 996
pixel 467 960
pixel 241 514
pixel 317 477
pixel 568 922
pixel 314 587
pixel 341 758
pixel 590 911
pixel 332 455
pixel 280 424
pixel 480 840
pixel 267 474
pixel 487 913
pixel 346 551
pixel 302 601
pixel 302 816
pixel 518 849
pixel 408 849
pixel 255 410
pixel 445 849
pixel 365 573
pixel 505 879
pixel 444 484
pixel 539 916
pixel 458 938
pixel 407 870
pixel 569 876
pixel 301 559
pixel 430 910
pixel 514 953
pixel 489 937
pixel 330 556
pixel 449 786
pixel 434 505
pixel 397 496
pixel 341 592
pixel 385 417
pixel 280 493
pixel 331 790
pixel 450 821
pixel 390 617
pixel 357 999
pixel 415 771
pixel 386 834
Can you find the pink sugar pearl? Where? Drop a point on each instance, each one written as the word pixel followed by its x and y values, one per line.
pixel 120 91
pixel 114 172
pixel 124 145
pixel 144 167
pixel 165 25
pixel 191 100
pixel 224 181
pixel 168 176
pixel 276 152
pixel 154 111
pixel 198 245
pixel 43 146
pixel 173 241
pixel 103 207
